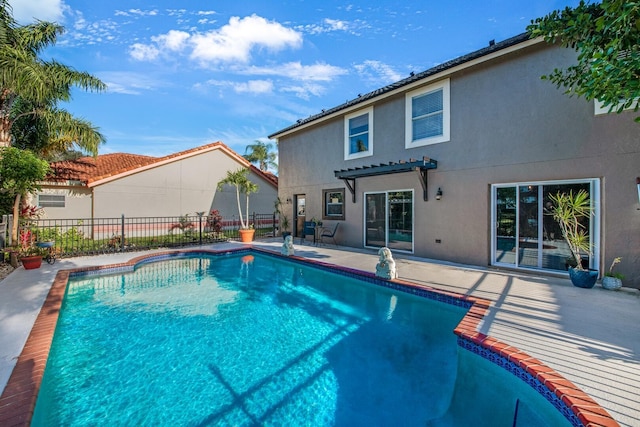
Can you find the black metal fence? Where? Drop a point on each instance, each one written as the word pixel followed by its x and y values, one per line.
pixel 94 236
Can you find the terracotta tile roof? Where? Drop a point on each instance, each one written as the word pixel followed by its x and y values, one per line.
pixel 86 169
pixel 89 171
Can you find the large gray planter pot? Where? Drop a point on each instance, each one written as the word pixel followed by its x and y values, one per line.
pixel 611 283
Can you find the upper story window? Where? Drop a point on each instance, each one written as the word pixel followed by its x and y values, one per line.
pixel 427 115
pixel 358 134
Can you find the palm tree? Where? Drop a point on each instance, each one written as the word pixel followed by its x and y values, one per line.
pixel 240 180
pixel 39 85
pixel 262 154
pixel 52 133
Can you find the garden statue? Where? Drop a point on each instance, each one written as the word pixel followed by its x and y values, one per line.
pixel 386 268
pixel 287 246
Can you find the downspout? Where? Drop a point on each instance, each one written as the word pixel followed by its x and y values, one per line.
pixel 92 213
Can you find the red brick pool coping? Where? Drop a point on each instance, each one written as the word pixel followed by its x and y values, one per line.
pixel 18 399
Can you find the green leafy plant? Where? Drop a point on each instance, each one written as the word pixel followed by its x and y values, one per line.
pixel 611 273
pixel 284 222
pixel 570 211
pixel 32 250
pixel 20 173
pixel 605 34
pixel 283 219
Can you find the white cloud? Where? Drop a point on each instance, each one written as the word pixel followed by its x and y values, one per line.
pixel 129 83
pixel 142 52
pixel 305 91
pixel 136 12
pixel 236 40
pixel 297 71
pixel 176 12
pixel 256 87
pixel 332 25
pixel 377 72
pixel 206 21
pixel 26 11
pixel 173 40
pixel 233 42
pixel 336 25
pixel 82 32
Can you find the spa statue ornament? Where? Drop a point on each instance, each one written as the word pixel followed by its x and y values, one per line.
pixel 386 267
pixel 287 246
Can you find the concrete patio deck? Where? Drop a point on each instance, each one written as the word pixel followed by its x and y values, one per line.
pixel 590 336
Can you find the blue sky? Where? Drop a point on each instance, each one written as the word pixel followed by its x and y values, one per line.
pixel 187 73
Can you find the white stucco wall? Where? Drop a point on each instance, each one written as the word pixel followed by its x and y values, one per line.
pixel 184 186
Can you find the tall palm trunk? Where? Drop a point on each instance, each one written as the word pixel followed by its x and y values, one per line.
pixel 240 207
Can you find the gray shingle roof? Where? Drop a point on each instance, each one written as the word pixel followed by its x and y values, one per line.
pixel 413 78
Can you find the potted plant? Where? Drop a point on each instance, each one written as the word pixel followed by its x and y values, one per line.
pixel 31 256
pixel 240 180
pixel 611 280
pixel 284 223
pixel 570 211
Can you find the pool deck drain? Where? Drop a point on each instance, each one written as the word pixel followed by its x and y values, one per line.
pixel 589 336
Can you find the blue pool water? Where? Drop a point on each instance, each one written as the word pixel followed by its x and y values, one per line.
pixel 256 340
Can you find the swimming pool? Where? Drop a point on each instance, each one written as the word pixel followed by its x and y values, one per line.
pixel 461 385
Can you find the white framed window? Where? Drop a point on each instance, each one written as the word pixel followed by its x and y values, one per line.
pixel 333 203
pixel 427 115
pixel 358 134
pixel 51 200
pixel 601 109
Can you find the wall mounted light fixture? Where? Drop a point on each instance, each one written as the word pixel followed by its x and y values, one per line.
pixel 439 194
pixel 288 200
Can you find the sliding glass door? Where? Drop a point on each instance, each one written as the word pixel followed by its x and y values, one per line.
pixel 525 235
pixel 389 220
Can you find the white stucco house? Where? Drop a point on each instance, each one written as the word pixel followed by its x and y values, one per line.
pixel 134 185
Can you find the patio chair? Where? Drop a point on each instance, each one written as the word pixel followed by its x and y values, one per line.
pixel 328 233
pixel 309 229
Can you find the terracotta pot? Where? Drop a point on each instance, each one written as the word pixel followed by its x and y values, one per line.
pixel 246 235
pixel 31 262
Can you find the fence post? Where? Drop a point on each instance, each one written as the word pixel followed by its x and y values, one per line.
pixel 200 226
pixel 3 232
pixel 10 230
pixel 122 234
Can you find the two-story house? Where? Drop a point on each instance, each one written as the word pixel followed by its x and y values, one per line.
pixel 457 163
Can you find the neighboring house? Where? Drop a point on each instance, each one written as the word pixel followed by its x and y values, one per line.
pixel 183 183
pixel 457 163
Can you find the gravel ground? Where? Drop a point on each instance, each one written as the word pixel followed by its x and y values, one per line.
pixel 5 269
